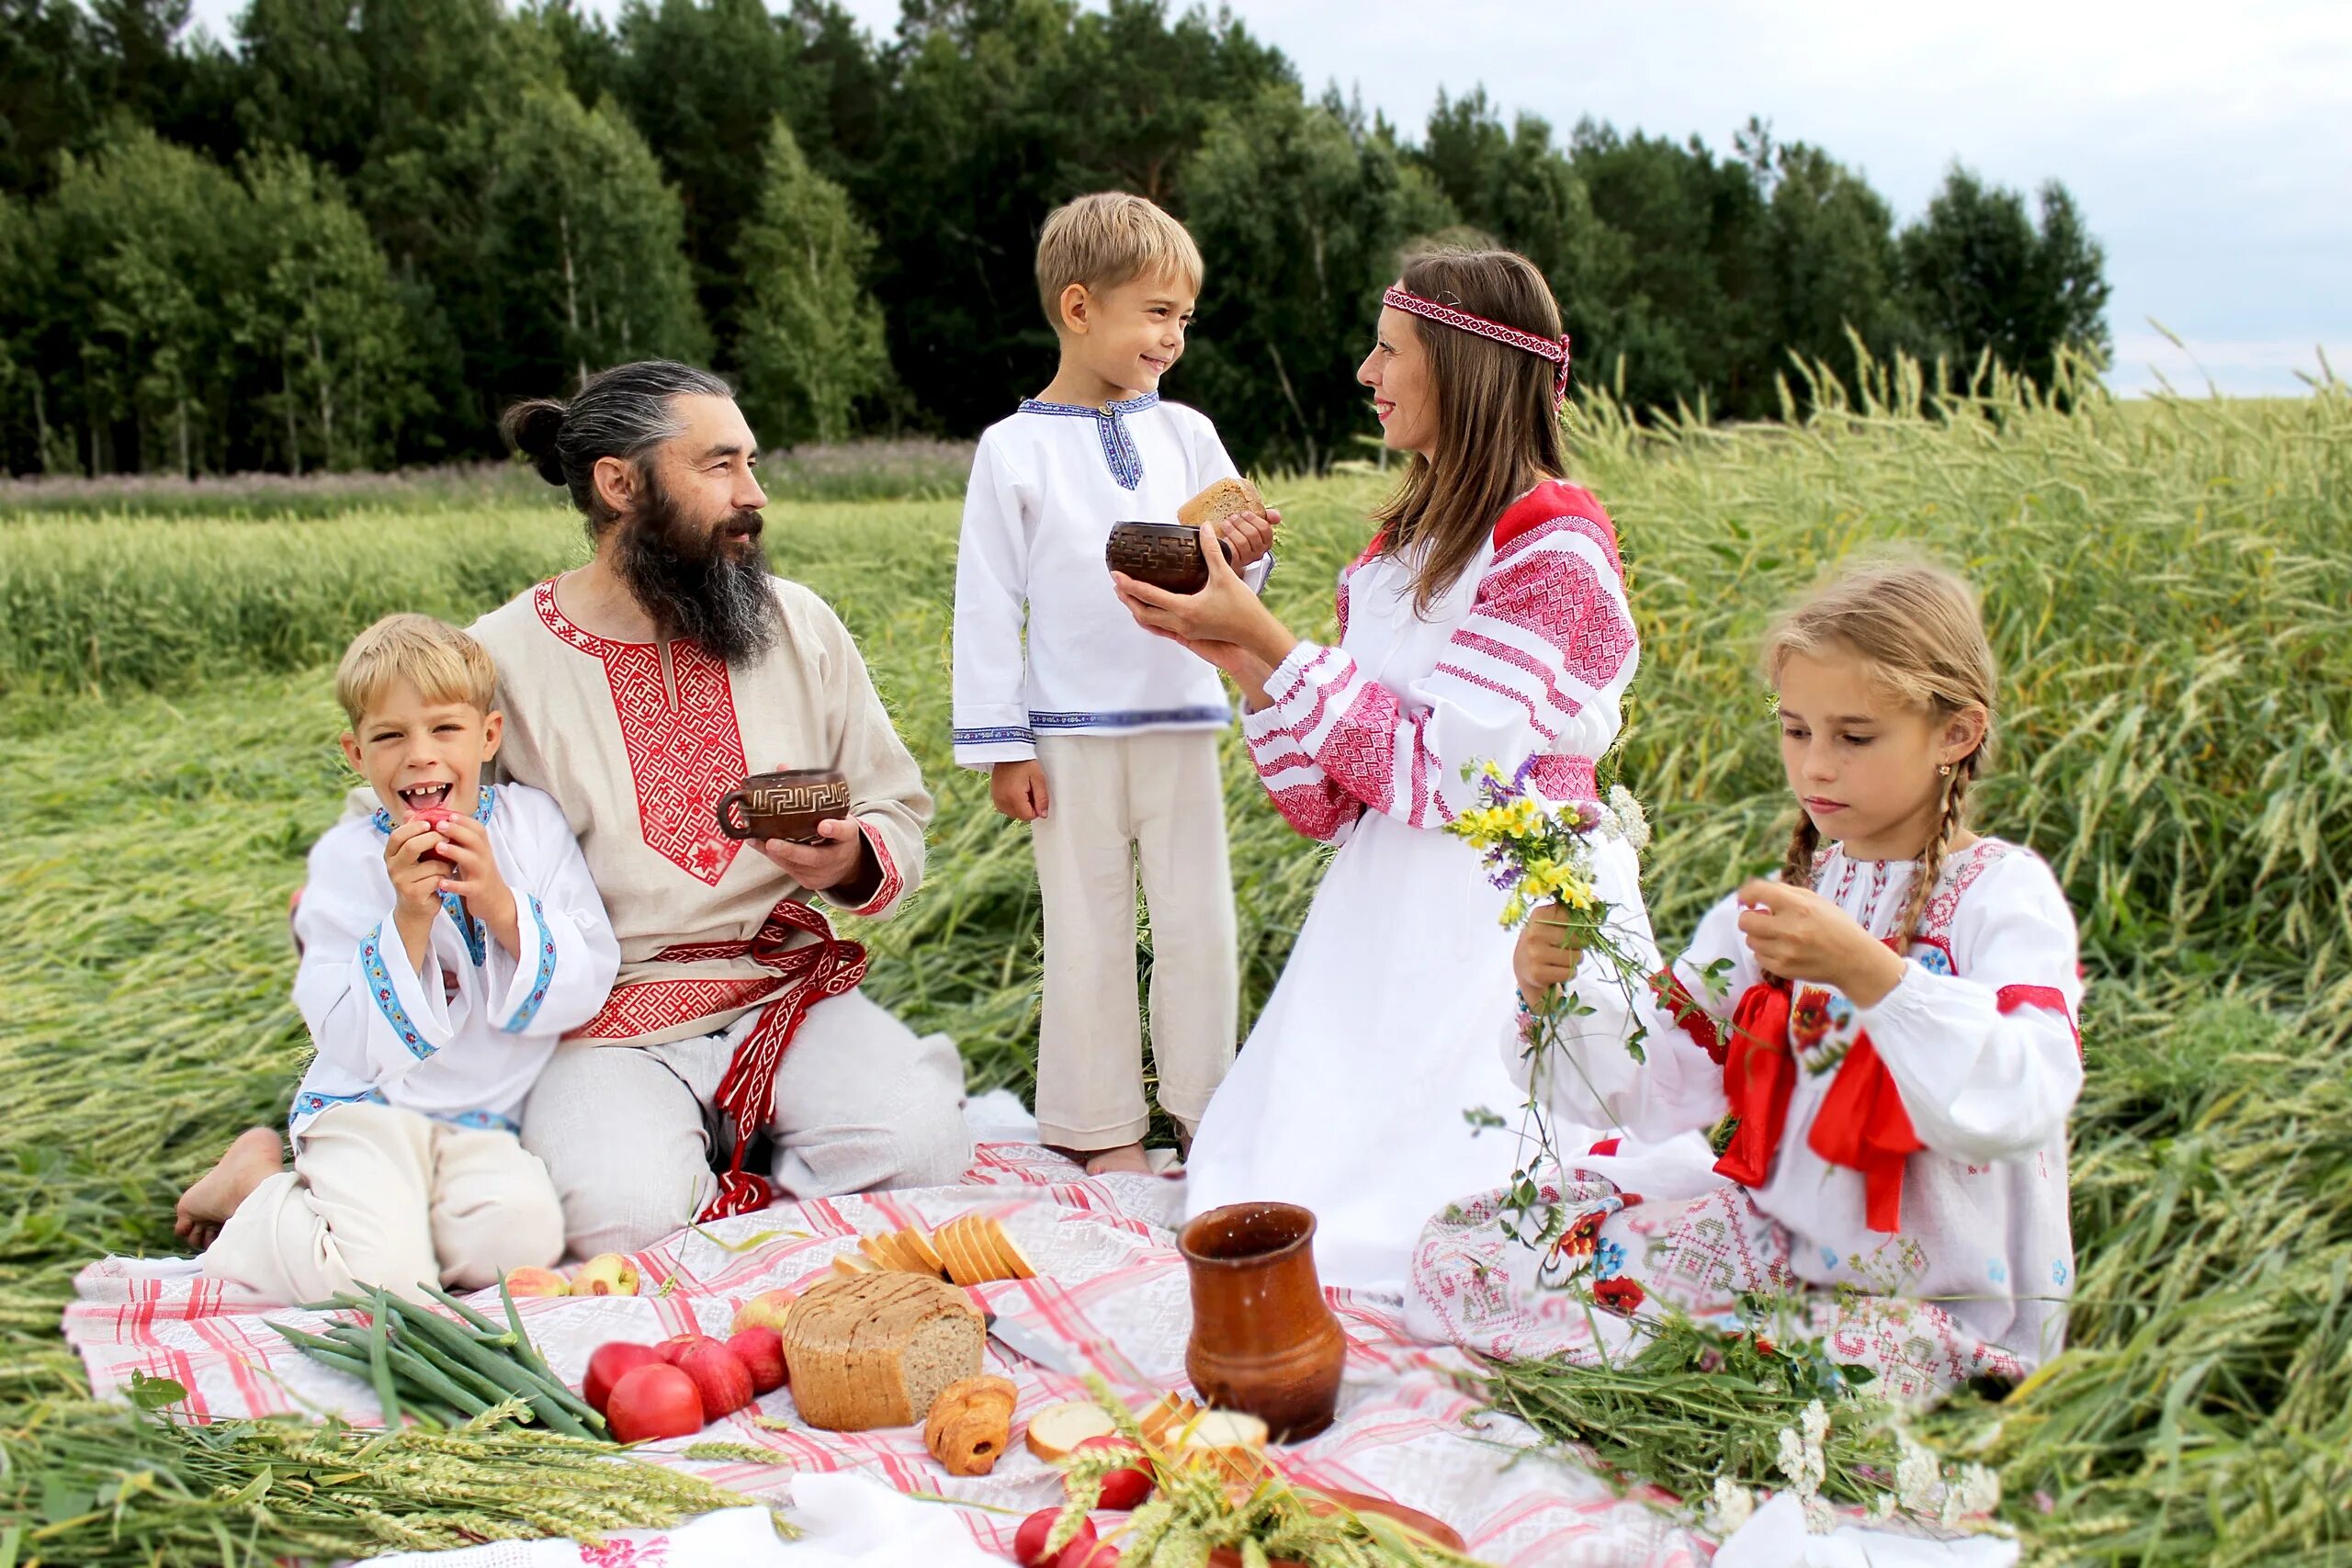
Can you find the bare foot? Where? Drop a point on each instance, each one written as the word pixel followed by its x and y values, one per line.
pixel 256 1156
pixel 1126 1159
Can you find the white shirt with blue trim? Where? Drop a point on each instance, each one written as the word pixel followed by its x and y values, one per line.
pixel 1046 485
pixel 464 1041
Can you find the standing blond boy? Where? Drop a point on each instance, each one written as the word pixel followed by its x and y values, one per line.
pixel 1099 735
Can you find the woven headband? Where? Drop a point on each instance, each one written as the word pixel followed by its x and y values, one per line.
pixel 1553 349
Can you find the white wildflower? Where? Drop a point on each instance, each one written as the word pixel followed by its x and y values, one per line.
pixel 1633 825
pixel 1916 1479
pixel 1980 1491
pixel 1791 1459
pixel 1733 1504
pixel 1883 1508
pixel 1819 1517
pixel 1816 1422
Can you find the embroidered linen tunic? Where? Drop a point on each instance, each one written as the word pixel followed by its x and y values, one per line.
pixel 1979 1038
pixel 638 741
pixel 463 1040
pixel 1046 485
pixel 1350 1096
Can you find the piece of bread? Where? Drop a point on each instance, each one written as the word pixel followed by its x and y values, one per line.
pixel 912 1240
pixel 876 1350
pixel 965 1265
pixel 970 1423
pixel 1164 1419
pixel 1016 1263
pixel 1055 1431
pixel 1227 1442
pixel 850 1265
pixel 879 1251
pixel 1219 501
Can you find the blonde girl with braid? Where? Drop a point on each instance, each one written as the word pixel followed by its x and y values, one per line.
pixel 1857 1077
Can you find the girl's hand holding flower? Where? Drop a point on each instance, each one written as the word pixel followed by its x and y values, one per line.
pixel 1224 622
pixel 1796 932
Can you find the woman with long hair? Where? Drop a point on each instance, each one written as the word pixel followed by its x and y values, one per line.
pixel 1485 623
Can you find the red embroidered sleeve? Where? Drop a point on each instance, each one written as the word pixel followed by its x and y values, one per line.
pixel 1545 634
pixel 1683 1009
pixel 2010 998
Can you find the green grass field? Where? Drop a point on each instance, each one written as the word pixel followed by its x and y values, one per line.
pixel 2170 594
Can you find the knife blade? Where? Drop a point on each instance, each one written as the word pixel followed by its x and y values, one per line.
pixel 1032 1346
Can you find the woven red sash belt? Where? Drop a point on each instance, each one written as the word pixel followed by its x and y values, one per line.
pixel 797 979
pixel 1862 1123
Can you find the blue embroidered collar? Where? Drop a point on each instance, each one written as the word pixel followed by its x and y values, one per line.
pixel 1118 446
pixel 477 935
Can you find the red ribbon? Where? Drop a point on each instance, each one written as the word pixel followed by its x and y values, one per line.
pixel 1759 1072
pixel 805 975
pixel 1862 1123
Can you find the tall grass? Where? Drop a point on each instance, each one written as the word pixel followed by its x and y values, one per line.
pixel 2170 594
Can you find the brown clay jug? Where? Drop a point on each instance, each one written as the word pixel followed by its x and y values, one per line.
pixel 1263 1341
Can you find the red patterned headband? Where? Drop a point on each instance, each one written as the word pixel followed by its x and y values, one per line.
pixel 1555 350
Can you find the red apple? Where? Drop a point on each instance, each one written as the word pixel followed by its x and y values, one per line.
pixel 654 1401
pixel 435 815
pixel 1122 1489
pixel 719 1377
pixel 1029 1541
pixel 610 1364
pixel 1088 1554
pixel 762 1352
pixel 678 1345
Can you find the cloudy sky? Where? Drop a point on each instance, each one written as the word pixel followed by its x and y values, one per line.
pixel 2209 145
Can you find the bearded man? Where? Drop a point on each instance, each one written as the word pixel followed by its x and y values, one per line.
pixel 736 1056
pixel 638 690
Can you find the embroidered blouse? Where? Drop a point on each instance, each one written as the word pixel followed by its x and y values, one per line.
pixel 1979 1040
pixel 1538 667
pixel 463 1039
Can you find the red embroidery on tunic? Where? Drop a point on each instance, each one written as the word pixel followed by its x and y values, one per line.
pixel 891 880
pixel 2010 998
pixel 1684 1010
pixel 1570 505
pixel 680 759
pixel 649 1006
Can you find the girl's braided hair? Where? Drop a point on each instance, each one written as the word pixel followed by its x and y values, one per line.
pixel 1918 630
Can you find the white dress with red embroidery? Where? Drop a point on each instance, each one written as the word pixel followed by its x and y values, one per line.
pixel 1351 1095
pixel 1979 1044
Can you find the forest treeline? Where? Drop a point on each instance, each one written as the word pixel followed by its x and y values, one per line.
pixel 344 236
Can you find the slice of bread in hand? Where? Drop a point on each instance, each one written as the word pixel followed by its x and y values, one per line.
pixel 1055 1431
pixel 1219 501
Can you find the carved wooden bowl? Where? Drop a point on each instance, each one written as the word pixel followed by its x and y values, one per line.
pixel 788 805
pixel 1166 555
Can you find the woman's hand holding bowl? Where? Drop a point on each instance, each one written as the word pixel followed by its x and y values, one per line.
pixel 1224 622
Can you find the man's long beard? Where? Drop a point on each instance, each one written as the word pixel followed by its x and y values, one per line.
pixel 697 582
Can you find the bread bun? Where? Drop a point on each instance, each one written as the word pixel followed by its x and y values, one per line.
pixel 970 1423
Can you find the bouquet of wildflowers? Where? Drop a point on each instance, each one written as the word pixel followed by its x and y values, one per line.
pixel 1542 853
